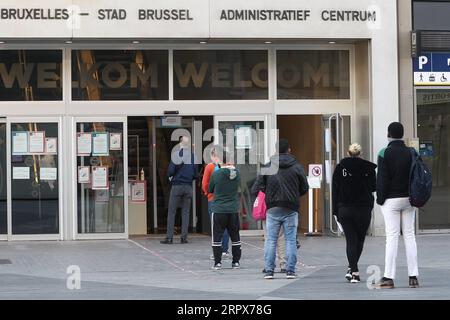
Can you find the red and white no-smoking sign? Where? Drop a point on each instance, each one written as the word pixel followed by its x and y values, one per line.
pixel 315 170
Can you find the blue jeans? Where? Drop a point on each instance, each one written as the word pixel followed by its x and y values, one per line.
pixel 274 221
pixel 226 237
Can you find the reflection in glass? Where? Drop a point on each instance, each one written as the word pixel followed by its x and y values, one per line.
pixel 220 75
pixel 34 185
pixel 101 210
pixel 30 75
pixel 313 74
pixel 251 150
pixel 433 129
pixel 120 75
pixel 3 180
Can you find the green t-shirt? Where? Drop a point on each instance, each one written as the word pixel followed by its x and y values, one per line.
pixel 224 184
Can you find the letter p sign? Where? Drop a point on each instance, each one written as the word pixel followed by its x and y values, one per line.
pixel 423 60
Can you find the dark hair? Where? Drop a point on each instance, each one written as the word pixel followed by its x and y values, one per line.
pixel 282 145
pixel 395 130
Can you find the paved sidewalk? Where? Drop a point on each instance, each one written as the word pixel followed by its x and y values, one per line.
pixel 146 269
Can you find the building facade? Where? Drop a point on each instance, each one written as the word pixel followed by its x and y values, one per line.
pixel 93 95
pixel 428 74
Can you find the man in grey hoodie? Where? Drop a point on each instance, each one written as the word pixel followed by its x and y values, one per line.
pixel 283 191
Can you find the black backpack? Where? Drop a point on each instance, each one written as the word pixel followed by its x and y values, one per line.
pixel 420 181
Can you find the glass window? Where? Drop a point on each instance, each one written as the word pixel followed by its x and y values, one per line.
pixel 433 131
pixel 313 74
pixel 3 179
pixel 100 185
pixel 34 184
pixel 28 75
pixel 220 75
pixel 248 150
pixel 120 75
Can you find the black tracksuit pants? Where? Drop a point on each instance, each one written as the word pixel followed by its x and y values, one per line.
pixel 355 221
pixel 230 222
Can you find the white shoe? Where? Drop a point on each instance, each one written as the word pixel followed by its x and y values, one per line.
pixel 217 266
pixel 211 257
pixel 226 255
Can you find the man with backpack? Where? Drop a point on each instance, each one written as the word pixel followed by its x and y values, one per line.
pixel 282 193
pixel 393 195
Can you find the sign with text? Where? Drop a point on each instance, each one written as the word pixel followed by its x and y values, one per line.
pixel 199 19
pixel 432 69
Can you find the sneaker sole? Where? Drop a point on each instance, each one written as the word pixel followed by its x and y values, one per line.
pixel 414 286
pixel 269 277
pixel 385 287
pixel 291 277
pixel 355 281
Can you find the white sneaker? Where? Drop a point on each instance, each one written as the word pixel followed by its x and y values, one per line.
pixel 348 275
pixel 217 266
pixel 226 255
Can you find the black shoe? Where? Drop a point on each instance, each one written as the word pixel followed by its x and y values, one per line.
pixel 282 270
pixel 264 271
pixel 348 275
pixel 166 241
pixel 355 278
pixel 184 240
pixel 235 265
pixel 385 283
pixel 217 266
pixel 413 282
pixel 269 275
pixel 291 275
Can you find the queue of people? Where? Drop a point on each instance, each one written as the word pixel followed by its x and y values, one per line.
pixel 354 183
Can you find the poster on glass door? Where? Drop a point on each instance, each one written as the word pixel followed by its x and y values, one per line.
pixel 36 142
pixel 100 144
pixel 84 144
pixel 100 178
pixel 19 142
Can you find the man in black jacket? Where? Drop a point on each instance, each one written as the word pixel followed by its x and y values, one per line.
pixel 394 163
pixel 283 190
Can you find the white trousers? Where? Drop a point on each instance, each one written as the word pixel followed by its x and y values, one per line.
pixel 398 214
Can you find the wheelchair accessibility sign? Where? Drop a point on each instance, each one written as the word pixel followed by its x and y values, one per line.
pixel 432 69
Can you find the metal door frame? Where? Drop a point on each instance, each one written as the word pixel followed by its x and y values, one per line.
pixel 74 170
pixel 154 166
pixel 5 236
pixel 256 118
pixel 328 156
pixel 50 119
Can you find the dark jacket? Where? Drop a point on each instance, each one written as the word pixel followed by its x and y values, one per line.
pixel 354 182
pixel 185 172
pixel 394 163
pixel 224 184
pixel 284 188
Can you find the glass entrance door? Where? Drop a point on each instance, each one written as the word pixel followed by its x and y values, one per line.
pixel 101 179
pixel 167 131
pixel 34 176
pixel 337 137
pixel 245 137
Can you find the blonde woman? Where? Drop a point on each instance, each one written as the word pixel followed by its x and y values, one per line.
pixel 354 181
